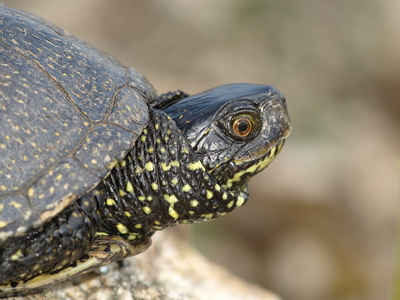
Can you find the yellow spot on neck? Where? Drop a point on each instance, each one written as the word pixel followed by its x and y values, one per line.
pixel 209 194
pixel 129 187
pixel 240 201
pixel 173 213
pixel 122 228
pixel 165 167
pixel 186 188
pixel 170 198
pixel 110 202
pixel 208 216
pixel 149 166
pixel 175 163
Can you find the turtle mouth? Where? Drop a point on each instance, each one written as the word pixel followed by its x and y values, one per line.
pixel 240 171
pixel 259 160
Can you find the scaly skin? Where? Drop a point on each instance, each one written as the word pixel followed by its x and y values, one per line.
pixel 139 197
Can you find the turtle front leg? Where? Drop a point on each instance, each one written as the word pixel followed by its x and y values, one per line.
pixel 104 251
pixel 66 246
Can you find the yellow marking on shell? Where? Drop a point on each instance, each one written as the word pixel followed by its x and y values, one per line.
pixel 194 203
pixel 15 204
pixel 149 166
pixel 141 198
pixel 165 167
pixel 175 181
pixel 149 198
pixel 186 188
pixel 51 190
pixel 224 196
pixel 3 224
pixel 129 187
pixel 121 193
pixel 154 186
pixel 240 201
pixel 122 228
pixel 128 214
pixel 173 213
pixel 110 202
pixel 217 187
pixel 138 226
pixel 151 150
pixel 59 176
pixel 147 210
pixel 30 192
pixel 195 166
pixel 191 212
pixel 230 204
pixel 209 194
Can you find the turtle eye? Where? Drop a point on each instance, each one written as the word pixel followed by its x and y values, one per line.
pixel 242 125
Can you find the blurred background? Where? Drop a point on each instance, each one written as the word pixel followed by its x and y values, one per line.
pixel 322 220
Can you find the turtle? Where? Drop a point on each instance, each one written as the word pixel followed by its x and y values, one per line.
pixel 93 161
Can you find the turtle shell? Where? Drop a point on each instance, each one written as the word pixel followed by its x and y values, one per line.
pixel 68 112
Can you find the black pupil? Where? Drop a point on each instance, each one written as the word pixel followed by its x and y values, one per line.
pixel 243 126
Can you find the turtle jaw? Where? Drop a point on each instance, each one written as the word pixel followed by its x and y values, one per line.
pixel 240 171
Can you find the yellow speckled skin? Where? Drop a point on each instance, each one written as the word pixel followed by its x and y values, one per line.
pixel 93 162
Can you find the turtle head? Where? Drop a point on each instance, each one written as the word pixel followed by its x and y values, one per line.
pixel 236 129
